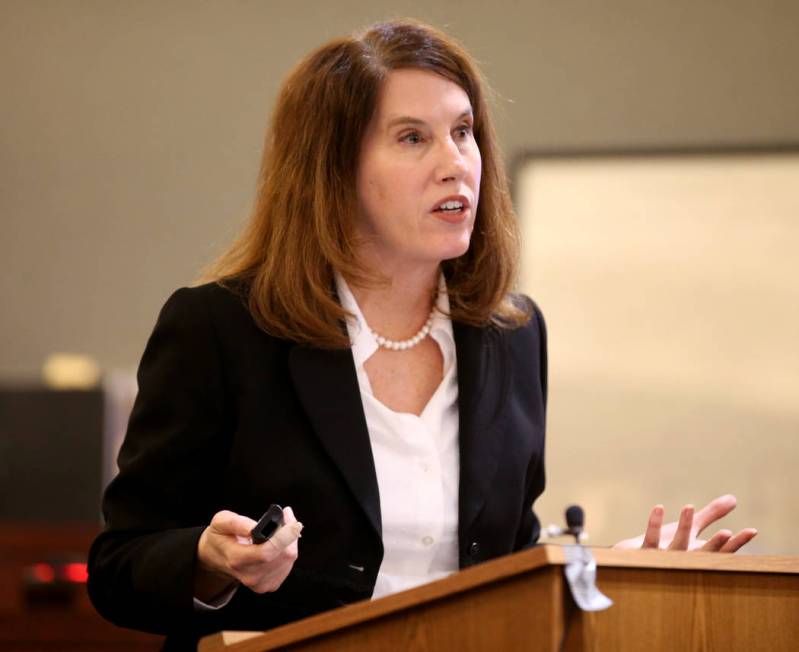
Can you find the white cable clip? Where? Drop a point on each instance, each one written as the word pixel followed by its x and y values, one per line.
pixel 580 571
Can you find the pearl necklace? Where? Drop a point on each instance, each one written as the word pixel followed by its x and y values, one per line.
pixel 402 345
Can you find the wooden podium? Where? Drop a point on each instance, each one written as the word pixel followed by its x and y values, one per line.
pixel 662 601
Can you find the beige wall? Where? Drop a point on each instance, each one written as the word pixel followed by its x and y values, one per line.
pixel 669 287
pixel 130 131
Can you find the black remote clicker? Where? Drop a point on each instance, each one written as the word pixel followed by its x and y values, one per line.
pixel 268 525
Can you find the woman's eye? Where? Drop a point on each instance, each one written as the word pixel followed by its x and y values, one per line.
pixel 412 138
pixel 464 131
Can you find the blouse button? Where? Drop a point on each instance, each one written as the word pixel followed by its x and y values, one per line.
pixel 428 541
pixel 474 549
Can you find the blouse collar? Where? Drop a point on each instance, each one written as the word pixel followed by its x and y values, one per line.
pixel 364 344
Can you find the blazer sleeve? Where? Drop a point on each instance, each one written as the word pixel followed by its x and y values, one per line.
pixel 141 567
pixel 535 481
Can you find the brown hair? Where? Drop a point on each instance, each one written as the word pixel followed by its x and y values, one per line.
pixel 303 224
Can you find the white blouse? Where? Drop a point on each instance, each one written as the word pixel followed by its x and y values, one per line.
pixel 416 460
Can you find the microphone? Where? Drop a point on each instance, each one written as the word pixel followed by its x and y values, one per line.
pixel 575 520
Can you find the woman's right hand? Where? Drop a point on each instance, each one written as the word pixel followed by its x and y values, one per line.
pixel 226 556
pixel 682 534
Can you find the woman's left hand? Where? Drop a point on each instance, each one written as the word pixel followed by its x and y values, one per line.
pixel 682 534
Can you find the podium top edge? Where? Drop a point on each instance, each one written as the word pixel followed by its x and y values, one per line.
pixel 706 561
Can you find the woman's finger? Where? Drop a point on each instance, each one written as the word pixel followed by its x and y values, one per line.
pixel 739 540
pixel 253 558
pixel 715 543
pixel 716 509
pixel 232 524
pixel 286 535
pixel 283 543
pixel 254 574
pixel 682 536
pixel 652 534
pixel 271 582
pixel 268 577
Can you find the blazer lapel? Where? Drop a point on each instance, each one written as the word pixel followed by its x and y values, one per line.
pixel 483 383
pixel 327 387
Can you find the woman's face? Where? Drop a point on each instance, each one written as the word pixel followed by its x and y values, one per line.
pixel 418 181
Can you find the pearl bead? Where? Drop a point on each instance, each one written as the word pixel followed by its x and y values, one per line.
pixel 404 345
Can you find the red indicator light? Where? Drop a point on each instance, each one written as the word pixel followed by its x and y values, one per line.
pixel 43 573
pixel 75 572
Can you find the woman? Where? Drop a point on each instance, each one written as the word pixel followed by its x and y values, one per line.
pixel 357 357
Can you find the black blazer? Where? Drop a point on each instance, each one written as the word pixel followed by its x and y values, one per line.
pixel 228 417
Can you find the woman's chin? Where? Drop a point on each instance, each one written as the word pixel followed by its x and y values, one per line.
pixel 456 249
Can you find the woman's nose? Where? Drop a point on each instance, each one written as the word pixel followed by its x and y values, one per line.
pixel 451 164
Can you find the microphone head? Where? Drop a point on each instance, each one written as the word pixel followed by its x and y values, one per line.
pixel 575 517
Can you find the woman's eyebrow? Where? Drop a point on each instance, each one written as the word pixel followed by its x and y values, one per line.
pixel 404 120
pixel 410 120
